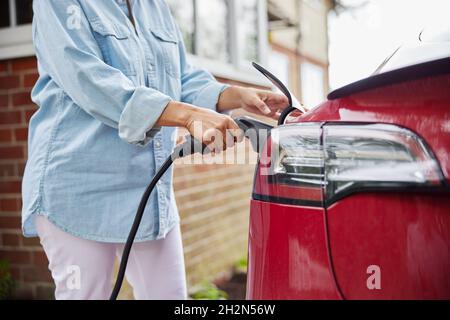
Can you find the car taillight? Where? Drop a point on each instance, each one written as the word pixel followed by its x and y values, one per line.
pixel 291 167
pixel 316 164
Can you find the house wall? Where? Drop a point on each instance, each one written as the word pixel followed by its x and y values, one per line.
pixel 213 200
pixel 314 31
pixel 310 37
pixel 305 42
pixel 28 262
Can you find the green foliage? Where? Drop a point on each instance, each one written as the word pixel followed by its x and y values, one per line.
pixel 208 291
pixel 241 265
pixel 7 283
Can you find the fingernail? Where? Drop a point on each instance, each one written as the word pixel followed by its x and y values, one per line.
pixel 267 110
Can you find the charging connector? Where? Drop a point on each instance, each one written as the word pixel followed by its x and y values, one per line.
pixel 256 131
pixel 189 147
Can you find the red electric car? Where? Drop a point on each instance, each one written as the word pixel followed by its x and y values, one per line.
pixel 351 200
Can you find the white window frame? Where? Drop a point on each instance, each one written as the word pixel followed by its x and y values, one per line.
pixel 307 86
pixel 237 69
pixel 16 42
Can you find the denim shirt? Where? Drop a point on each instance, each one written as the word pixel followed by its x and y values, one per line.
pixel 93 143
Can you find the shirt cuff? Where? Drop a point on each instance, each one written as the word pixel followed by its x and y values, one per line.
pixel 208 97
pixel 138 118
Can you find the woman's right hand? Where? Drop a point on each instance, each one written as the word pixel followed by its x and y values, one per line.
pixel 213 129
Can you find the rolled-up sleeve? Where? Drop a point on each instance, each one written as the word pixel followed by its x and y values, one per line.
pixel 72 58
pixel 198 85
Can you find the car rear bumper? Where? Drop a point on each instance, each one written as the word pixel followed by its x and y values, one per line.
pixel 288 253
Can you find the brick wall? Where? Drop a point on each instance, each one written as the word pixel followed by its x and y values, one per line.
pixel 213 203
pixel 213 199
pixel 28 262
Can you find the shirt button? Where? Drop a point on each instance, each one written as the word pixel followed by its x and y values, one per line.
pixel 158 144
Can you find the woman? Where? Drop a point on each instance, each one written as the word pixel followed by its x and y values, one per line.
pixel 114 84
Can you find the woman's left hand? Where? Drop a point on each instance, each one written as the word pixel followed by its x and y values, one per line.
pixel 257 101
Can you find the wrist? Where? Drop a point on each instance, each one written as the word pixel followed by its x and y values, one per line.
pixel 176 114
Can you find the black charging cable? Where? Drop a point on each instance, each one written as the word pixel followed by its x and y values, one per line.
pixel 189 147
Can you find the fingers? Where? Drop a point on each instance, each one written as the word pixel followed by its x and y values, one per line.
pixel 210 136
pixel 275 101
pixel 267 110
pixel 262 106
pixel 232 133
pixel 222 134
pixel 277 115
pixel 269 103
pixel 277 98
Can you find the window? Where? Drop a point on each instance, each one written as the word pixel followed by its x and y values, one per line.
pixel 16 13
pixel 220 33
pixel 5 20
pixel 212 39
pixel 312 83
pixel 279 65
pixel 183 12
pixel 248 35
pixel 204 25
pixel 15 28
pixel 24 11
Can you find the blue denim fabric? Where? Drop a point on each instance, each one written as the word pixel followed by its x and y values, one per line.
pixel 93 143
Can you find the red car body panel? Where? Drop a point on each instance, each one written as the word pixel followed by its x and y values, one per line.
pixel 289 256
pixel 406 234
pixel 423 106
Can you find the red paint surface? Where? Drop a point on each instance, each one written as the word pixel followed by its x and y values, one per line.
pixel 406 234
pixel 288 256
pixel 422 106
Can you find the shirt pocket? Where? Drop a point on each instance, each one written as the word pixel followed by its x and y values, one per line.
pixel 168 43
pixel 117 47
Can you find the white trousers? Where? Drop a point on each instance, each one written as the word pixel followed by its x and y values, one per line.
pixel 83 269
